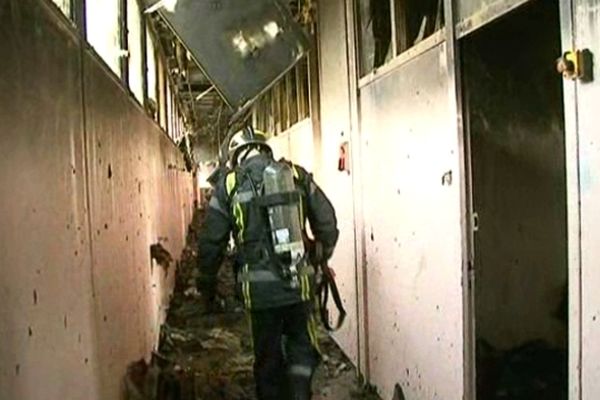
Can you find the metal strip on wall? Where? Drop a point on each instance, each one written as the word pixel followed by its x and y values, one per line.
pixel 466 195
pixel 358 193
pixel 469 18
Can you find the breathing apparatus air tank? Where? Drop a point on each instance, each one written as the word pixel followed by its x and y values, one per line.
pixel 284 214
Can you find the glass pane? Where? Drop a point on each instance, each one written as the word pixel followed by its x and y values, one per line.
pixel 416 20
pixel 102 29
pixel 162 95
pixel 134 42
pixel 375 33
pixel 270 113
pixel 65 6
pixel 292 83
pixel 260 111
pixel 151 71
pixel 304 99
pixel 283 101
pixel 169 120
pixel 275 110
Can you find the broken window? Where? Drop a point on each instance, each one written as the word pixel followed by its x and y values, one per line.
pixel 270 119
pixel 181 125
pixel 292 90
pixel 303 90
pixel 134 41
pixel 168 109
pixel 286 103
pixel 276 101
pixel 264 111
pixel 103 31
pixel 162 94
pixel 64 6
pixel 416 20
pixel 283 101
pixel 257 114
pixel 375 33
pixel 174 114
pixel 151 77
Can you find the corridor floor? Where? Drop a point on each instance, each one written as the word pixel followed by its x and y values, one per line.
pixel 207 355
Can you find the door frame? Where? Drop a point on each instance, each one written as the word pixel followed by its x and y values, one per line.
pixel 455 93
pixel 572 163
pixel 567 27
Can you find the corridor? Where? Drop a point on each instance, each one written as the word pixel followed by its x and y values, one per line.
pixel 456 140
pixel 207 354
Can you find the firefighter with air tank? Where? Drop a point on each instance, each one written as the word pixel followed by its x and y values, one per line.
pixel 265 204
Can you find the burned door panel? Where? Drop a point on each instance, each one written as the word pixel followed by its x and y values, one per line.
pixel 46 316
pixel 413 228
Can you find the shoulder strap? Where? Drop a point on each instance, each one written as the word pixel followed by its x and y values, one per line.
pixel 231 183
pixel 295 169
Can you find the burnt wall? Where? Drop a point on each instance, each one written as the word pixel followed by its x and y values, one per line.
pixel 88 184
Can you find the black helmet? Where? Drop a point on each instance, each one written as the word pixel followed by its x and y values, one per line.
pixel 247 138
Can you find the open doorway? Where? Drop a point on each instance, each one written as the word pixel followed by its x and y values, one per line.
pixel 514 117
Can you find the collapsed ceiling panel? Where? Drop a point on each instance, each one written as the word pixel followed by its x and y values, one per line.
pixel 243 46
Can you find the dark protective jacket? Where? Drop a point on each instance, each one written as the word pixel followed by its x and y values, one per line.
pixel 233 211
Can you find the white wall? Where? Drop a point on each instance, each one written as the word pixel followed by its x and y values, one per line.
pixel 295 144
pixel 335 130
pixel 86 189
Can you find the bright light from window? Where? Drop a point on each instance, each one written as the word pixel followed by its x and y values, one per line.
pixel 151 65
pixel 169 99
pixel 134 41
pixel 65 6
pixel 168 5
pixel 102 23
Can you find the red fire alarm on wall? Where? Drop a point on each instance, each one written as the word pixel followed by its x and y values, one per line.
pixel 344 160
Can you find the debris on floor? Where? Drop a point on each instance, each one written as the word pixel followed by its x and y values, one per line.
pixel 532 371
pixel 207 354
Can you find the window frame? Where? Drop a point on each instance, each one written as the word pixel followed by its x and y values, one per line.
pixel 400 52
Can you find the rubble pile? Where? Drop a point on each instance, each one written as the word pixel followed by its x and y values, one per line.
pixel 532 371
pixel 207 354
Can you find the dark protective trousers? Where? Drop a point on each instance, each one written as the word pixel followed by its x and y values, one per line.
pixel 286 352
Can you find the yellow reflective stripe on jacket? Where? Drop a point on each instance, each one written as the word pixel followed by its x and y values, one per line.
pixel 238 213
pixel 305 287
pixel 312 332
pixel 302 288
pixel 230 183
pixel 246 291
